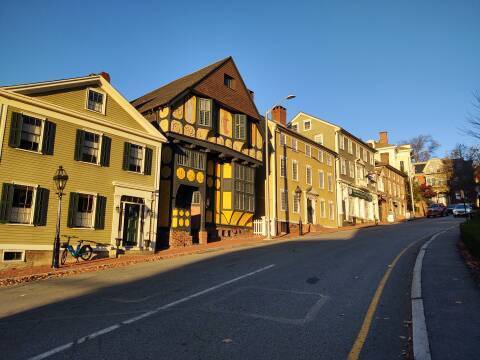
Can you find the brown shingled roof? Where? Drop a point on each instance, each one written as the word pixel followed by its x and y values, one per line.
pixel 164 94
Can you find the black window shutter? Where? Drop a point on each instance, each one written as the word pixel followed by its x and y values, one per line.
pixel 79 144
pixel 100 212
pixel 72 209
pixel 41 207
pixel 106 146
pixel 15 130
pixel 147 169
pixel 6 202
pixel 126 156
pixel 49 131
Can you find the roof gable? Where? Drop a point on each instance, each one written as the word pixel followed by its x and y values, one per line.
pixel 208 81
pixel 70 86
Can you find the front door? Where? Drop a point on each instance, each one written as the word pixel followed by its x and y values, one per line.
pixel 131 222
pixel 309 211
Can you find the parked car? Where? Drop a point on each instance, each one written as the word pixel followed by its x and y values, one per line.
pixel 450 209
pixel 463 210
pixel 435 210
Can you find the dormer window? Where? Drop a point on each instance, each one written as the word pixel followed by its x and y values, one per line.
pixel 307 125
pixel 205 112
pixel 96 101
pixel 229 81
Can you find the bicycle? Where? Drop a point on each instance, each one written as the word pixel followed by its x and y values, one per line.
pixel 85 252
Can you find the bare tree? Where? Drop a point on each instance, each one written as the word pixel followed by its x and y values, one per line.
pixel 467 153
pixel 423 147
pixel 473 118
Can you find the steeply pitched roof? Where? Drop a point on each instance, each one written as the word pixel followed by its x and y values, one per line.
pixel 168 92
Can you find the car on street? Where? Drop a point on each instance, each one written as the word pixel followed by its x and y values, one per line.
pixel 463 210
pixel 435 210
pixel 450 209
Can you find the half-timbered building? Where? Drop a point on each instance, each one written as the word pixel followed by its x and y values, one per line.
pixel 207 170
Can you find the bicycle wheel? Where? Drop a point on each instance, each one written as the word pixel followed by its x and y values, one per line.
pixel 64 257
pixel 86 252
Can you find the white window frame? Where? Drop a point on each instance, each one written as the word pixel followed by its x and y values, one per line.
pixel 294 144
pixel 13 261
pixel 323 209
pixel 350 146
pixel 296 203
pixel 317 137
pixel 320 155
pixel 330 182
pixel 295 176
pixel 331 207
pixel 357 151
pixel 308 169
pixel 295 127
pixel 308 150
pixel 42 129
pixel 94 209
pixel 283 161
pixel 142 165
pixel 100 143
pixel 321 179
pixel 104 104
pixel 283 204
pixel 34 201
pixel 341 142
pixel 329 160
pixel 305 122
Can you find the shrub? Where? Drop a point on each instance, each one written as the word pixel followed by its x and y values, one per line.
pixel 470 234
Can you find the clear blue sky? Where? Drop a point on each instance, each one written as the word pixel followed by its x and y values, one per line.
pixel 408 67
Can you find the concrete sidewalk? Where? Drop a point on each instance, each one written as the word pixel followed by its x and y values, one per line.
pixel 451 301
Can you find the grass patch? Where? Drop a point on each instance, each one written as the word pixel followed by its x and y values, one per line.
pixel 470 234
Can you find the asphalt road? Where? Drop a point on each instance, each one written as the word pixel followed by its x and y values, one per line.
pixel 300 299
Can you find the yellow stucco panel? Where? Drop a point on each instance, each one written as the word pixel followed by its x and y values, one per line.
pixel 227 200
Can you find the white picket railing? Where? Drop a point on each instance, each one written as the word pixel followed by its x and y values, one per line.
pixel 259 227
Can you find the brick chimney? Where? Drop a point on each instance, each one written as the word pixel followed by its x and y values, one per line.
pixel 279 114
pixel 105 75
pixel 383 137
pixel 385 158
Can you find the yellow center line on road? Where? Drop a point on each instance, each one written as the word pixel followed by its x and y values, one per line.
pixel 367 322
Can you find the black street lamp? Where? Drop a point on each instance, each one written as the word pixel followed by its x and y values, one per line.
pixel 60 179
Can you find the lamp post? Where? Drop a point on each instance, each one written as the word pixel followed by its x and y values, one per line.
pixel 267 166
pixel 60 179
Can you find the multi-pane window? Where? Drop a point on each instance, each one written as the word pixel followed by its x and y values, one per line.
pixel 240 127
pixel 365 155
pixel 357 151
pixel 282 140
pixel 351 169
pixel 319 139
pixel 295 170
pixel 343 167
pixel 283 200
pixel 205 112
pixel 31 132
pixel 320 155
pixel 307 125
pixel 308 150
pixel 22 204
pixel 96 101
pixel 91 147
pixel 283 166
pixel 295 127
pixel 321 179
pixel 322 209
pixel 135 158
pixel 244 197
pixel 296 203
pixel 191 158
pixel 84 212
pixel 330 182
pixel 341 143
pixel 329 160
pixel 331 210
pixel 196 198
pixel 294 144
pixel 309 175
pixel 350 147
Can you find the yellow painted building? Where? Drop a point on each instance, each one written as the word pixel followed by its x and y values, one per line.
pixel 109 151
pixel 302 179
